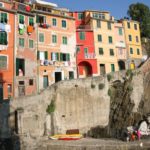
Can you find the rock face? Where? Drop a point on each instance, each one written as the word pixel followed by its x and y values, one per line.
pixel 98 107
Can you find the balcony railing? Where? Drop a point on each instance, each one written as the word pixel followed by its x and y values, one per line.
pixel 85 27
pixel 90 56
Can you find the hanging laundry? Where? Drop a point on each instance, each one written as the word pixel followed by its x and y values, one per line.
pixel 21 26
pixel 21 31
pixel 28 8
pixel 30 29
pixel 4 27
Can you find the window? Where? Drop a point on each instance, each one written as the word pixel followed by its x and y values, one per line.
pixel 41 37
pixel 138 52
pixel 31 21
pixel 111 52
pixel 20 67
pixel 54 56
pixel 85 50
pixel 131 50
pixel 99 38
pixel 40 19
pixel 128 25
pixel 130 38
pixel 82 35
pixel 3 17
pixel 42 55
pixel 64 57
pixel 31 82
pixel 54 39
pixel 80 16
pixel 112 67
pixel 64 40
pixel 3 38
pixel 71 75
pixel 31 45
pixel 110 40
pixel 1 5
pixel 54 22
pixel 21 19
pixel 135 26
pixel 98 23
pixel 64 24
pixel 120 31
pixel 109 25
pixel 99 15
pixel 21 42
pixel 101 52
pixel 3 62
pixel 137 39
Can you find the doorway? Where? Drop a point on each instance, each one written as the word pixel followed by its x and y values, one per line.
pixel 58 76
pixel 45 82
pixel 1 91
pixel 121 65
pixel 102 69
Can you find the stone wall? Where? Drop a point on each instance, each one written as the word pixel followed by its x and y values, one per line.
pixel 82 104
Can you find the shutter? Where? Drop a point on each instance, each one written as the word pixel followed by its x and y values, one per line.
pixel 68 57
pixel 51 56
pixel 57 56
pixel 38 55
pixel 17 66
pixel 46 55
pixel 61 56
pixel 37 19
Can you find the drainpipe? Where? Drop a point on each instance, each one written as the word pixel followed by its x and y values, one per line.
pixel 14 56
pixel 37 77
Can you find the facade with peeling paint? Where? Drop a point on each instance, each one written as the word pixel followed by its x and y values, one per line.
pixel 25 50
pixel 7 17
pixel 56 44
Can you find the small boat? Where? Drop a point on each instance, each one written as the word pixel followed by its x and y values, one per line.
pixel 66 137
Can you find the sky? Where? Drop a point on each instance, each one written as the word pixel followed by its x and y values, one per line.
pixel 117 8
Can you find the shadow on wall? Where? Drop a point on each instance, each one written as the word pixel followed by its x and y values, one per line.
pixel 9 140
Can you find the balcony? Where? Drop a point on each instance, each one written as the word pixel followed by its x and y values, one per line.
pixel 24 7
pixel 90 56
pixel 84 27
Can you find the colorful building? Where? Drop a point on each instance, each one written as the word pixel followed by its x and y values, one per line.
pixel 25 50
pixel 104 39
pixel 120 44
pixel 56 44
pixel 133 42
pixel 85 54
pixel 7 22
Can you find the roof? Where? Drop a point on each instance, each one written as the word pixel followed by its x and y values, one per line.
pixel 41 2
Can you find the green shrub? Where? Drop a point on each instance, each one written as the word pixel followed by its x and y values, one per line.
pixel 51 107
pixel 129 72
pixel 101 86
pixel 109 77
pixel 92 86
pixel 130 88
pixel 109 92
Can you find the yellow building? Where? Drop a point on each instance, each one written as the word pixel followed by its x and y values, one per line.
pixel 104 38
pixel 133 42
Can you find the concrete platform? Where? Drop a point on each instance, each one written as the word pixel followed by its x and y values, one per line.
pixel 91 144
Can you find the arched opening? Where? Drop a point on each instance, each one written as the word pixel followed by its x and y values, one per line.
pixel 121 65
pixel 84 69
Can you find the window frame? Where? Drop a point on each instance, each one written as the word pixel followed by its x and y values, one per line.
pixel 110 39
pixel 99 38
pixel 82 35
pixel 131 50
pixel 3 39
pixel 20 42
pixel 41 33
pixel 20 20
pixel 64 40
pixel 3 19
pixel 54 38
pixel 29 43
pixel 62 24
pixel 101 50
pixel 6 56
pixel 54 23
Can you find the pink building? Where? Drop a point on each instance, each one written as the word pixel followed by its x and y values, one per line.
pixel 120 45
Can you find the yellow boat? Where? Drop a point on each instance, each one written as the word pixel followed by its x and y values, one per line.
pixel 66 137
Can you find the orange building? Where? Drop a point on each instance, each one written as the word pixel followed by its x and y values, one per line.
pixel 7 21
pixel 56 44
